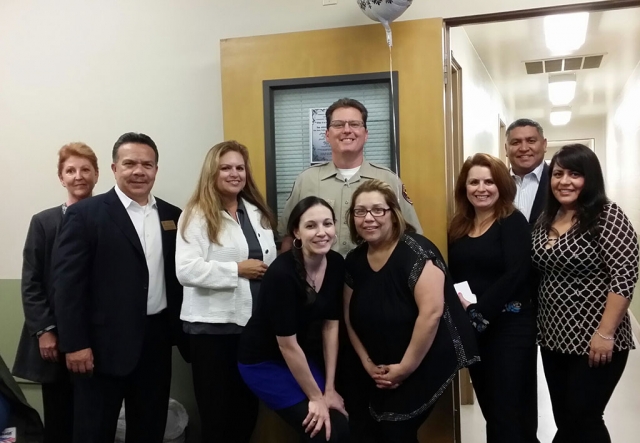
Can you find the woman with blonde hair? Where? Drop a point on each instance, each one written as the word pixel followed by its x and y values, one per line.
pixel 225 245
pixel 403 317
pixel 38 358
pixel 490 248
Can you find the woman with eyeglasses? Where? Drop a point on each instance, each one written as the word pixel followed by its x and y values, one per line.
pixel 490 249
pixel 587 252
pixel 403 317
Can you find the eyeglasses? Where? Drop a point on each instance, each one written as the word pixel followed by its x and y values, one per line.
pixel 376 212
pixel 353 124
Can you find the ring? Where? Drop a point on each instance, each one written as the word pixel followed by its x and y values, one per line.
pixel 314 420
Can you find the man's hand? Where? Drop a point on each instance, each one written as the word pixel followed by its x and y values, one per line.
pixel 48 343
pixel 80 362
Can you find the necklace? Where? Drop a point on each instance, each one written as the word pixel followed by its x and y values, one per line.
pixel 312 283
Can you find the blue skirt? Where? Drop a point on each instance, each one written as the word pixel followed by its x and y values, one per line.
pixel 274 384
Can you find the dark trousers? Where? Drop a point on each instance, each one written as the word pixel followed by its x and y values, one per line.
pixel 145 392
pixel 228 409
pixel 57 402
pixel 579 394
pixel 296 414
pixel 406 431
pixel 505 380
pixel 353 384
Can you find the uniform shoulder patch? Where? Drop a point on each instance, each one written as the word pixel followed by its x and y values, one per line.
pixel 405 195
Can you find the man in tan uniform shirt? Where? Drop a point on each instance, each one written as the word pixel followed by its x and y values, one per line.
pixel 337 180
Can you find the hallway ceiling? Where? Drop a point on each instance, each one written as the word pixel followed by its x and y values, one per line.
pixel 505 47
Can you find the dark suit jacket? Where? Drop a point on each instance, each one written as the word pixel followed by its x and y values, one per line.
pixel 23 417
pixel 37 298
pixel 541 196
pixel 101 281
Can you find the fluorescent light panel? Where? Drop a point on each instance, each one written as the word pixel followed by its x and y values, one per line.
pixel 562 89
pixel 560 116
pixel 565 32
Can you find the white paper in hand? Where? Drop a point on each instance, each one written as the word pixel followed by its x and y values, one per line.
pixel 464 289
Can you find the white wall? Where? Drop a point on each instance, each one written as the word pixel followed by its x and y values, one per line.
pixel 623 157
pixel 581 128
pixel 483 105
pixel 91 69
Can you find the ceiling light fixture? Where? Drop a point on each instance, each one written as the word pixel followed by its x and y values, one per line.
pixel 562 89
pixel 565 32
pixel 560 116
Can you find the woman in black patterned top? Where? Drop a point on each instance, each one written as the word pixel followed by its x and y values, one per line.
pixel 490 248
pixel 587 253
pixel 403 318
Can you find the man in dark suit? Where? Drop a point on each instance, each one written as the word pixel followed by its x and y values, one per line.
pixel 118 300
pixel 38 358
pixel 525 149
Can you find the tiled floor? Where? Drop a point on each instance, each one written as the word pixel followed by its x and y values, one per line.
pixel 622 415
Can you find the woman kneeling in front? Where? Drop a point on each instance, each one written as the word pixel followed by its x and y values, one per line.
pixel 300 291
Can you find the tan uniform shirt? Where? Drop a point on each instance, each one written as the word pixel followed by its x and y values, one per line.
pixel 325 181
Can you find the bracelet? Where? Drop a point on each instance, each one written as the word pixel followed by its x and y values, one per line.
pixel 603 336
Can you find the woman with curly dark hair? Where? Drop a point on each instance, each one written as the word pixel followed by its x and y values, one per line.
pixel 587 253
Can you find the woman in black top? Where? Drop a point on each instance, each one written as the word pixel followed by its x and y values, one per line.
pixel 587 253
pixel 300 292
pixel 38 358
pixel 402 315
pixel 490 248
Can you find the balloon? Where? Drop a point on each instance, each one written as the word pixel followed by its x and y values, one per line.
pixel 384 11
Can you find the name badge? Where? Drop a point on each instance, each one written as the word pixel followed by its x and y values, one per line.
pixel 169 225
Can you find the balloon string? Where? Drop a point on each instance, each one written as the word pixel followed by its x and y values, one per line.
pixel 393 126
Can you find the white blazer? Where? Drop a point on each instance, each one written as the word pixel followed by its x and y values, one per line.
pixel 213 291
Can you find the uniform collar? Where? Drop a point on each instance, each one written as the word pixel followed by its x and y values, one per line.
pixel 329 170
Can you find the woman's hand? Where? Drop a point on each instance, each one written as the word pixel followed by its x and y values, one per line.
pixel 464 301
pixel 372 369
pixel 391 377
pixel 333 400
pixel 251 269
pixel 600 351
pixel 317 417
pixel 48 343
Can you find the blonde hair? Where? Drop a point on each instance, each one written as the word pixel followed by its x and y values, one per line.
pixel 400 225
pixel 206 197
pixel 76 149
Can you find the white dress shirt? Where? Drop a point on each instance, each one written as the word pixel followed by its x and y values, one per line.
pixel 146 221
pixel 527 188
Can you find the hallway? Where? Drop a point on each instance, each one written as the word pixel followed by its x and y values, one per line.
pixel 621 415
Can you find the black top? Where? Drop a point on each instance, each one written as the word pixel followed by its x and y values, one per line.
pixel 578 273
pixel 497 266
pixel 255 252
pixel 37 298
pixel 383 312
pixel 282 311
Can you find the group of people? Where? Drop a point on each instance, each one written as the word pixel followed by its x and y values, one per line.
pixel 553 263
pixel 353 329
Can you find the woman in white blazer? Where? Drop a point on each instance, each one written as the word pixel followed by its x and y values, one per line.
pixel 225 245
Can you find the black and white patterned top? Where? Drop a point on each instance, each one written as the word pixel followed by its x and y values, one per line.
pixel 577 274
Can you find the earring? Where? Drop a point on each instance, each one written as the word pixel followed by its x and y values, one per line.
pixel 294 243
